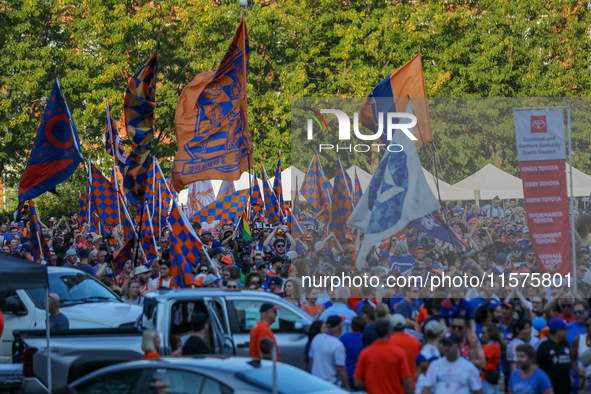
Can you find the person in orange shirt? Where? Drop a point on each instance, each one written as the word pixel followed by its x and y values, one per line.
pixel 262 329
pixel 311 307
pixel 150 344
pixel 411 345
pixel 491 335
pixel 382 367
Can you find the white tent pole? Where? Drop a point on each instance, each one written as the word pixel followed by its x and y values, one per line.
pixel 572 201
pixel 47 335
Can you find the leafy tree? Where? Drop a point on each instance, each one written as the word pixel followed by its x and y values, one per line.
pixel 309 48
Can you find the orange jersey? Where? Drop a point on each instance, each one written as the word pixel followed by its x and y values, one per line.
pixel 259 331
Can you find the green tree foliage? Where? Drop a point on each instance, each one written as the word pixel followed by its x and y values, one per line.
pixel 304 48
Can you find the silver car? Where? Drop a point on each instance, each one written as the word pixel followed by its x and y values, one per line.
pixel 206 375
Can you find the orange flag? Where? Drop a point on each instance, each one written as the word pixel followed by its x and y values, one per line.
pixel 211 121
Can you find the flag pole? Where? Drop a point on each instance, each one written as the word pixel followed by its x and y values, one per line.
pixel 139 243
pixel 250 189
pixel 110 127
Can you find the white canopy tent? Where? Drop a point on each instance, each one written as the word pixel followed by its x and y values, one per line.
pixel 448 192
pixel 241 184
pixel 364 177
pixel 581 182
pixel 490 181
pixel 288 178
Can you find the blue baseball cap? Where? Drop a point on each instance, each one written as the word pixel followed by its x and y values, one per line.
pixel 493 304
pixel 26 247
pixel 52 219
pixel 384 254
pixel 410 233
pixel 557 324
pixel 501 258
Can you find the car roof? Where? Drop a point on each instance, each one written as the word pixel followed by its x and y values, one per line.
pixel 213 366
pixel 207 292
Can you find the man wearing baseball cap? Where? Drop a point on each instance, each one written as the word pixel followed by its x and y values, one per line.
pixel 262 329
pixel 553 356
pixel 83 264
pixel 452 374
pixel 142 274
pixel 26 252
pixel 411 345
pixel 328 355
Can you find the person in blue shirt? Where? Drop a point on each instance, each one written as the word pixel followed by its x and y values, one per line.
pixel 528 378
pixel 576 328
pixel 353 342
pixel 340 307
pixel 456 305
pixel 57 320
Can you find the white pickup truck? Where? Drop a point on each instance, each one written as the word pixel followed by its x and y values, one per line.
pixel 85 301
pixel 232 313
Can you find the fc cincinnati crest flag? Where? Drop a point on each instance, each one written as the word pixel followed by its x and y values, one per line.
pixel 139 104
pixel 56 150
pixel 211 121
pixel 397 194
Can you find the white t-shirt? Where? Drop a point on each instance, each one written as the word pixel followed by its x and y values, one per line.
pixel 430 351
pixel 512 347
pixel 327 352
pixel 458 377
pixel 421 382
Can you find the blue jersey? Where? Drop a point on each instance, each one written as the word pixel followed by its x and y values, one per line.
pixel 449 310
pixel 537 382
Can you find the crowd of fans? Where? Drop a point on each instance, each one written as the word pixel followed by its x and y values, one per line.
pixel 383 339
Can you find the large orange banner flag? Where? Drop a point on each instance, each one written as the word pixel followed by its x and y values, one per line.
pixel 211 122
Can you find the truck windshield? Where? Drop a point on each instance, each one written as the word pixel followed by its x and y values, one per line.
pixel 75 287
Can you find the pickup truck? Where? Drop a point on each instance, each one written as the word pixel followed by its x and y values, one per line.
pixel 85 301
pixel 75 353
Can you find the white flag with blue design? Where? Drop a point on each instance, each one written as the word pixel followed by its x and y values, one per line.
pixel 397 194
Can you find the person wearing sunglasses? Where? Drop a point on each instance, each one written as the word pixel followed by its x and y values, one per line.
pixel 203 269
pixel 565 305
pixel 279 245
pixel 576 328
pixel 232 285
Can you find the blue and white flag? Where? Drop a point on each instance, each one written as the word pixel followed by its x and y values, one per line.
pixel 397 194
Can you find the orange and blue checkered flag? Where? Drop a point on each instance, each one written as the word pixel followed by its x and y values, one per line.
pixel 226 189
pixel 104 196
pixel 274 213
pixel 82 212
pixel 225 209
pixel 147 236
pixel 342 204
pixel 40 249
pixel 123 255
pixel 139 103
pixel 316 188
pixel 357 189
pixel 184 247
pixel 256 202
pixel 277 186
pixel 211 121
pixel 113 142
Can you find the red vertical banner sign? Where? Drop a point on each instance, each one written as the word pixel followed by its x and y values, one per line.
pixel 542 158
